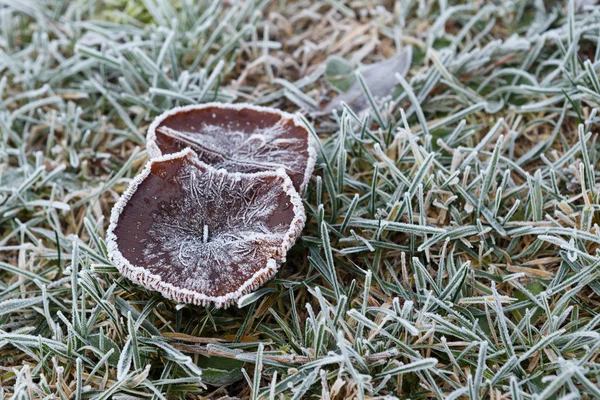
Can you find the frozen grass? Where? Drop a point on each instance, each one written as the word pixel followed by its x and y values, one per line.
pixel 452 244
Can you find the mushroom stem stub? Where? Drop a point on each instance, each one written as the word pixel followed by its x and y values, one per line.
pixel 203 235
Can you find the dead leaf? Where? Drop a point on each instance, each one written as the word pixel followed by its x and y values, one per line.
pixel 379 78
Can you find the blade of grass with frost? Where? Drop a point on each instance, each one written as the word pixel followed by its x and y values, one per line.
pixel 137 361
pixel 391 165
pixel 557 383
pixel 75 262
pixel 481 366
pixel 415 102
pixel 373 202
pixel 394 226
pixel 367 287
pixel 349 213
pixel 483 143
pixel 321 266
pixel 371 100
pixel 489 174
pixel 572 251
pixel 329 259
pixel 257 372
pixel 419 176
pixel 295 318
pixel 320 216
pixel 427 363
pixel 173 95
pixel 356 315
pixel 423 275
pixel 504 334
pixel 329 176
pixel 484 211
pixel 589 273
pixel 456 283
pixel 452 234
pixel 406 324
pixel 291 89
pixel 569 232
pixel 253 297
pixel 342 156
pixel 293 340
pixel 78 380
pixel 310 379
pixel 590 179
pixel 589 385
pixel 112 181
pixel 543 342
pixel 12 305
pixel 301 83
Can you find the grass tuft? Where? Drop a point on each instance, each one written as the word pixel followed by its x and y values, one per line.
pixel 452 245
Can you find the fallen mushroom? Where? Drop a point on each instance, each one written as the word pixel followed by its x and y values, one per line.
pixel 237 137
pixel 202 235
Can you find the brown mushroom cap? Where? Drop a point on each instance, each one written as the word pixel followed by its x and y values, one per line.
pixel 237 137
pixel 200 235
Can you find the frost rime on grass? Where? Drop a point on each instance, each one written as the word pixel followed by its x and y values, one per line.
pixel 432 265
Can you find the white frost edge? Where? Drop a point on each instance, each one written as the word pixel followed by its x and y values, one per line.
pixel 151 281
pixel 154 150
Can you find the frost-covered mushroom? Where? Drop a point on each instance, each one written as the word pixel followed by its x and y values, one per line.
pixel 237 137
pixel 200 235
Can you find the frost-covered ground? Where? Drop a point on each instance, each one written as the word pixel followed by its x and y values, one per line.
pixel 451 243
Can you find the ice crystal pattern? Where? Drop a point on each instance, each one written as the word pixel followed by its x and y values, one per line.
pixel 213 235
pixel 213 232
pixel 240 140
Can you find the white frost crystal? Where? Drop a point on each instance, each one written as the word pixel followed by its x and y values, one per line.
pixel 198 234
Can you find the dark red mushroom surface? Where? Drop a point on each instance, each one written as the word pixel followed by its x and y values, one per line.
pixel 200 235
pixel 237 137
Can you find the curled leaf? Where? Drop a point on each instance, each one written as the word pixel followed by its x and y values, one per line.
pixel 379 78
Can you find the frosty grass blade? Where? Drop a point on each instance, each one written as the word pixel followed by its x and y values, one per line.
pixel 201 235
pixel 237 137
